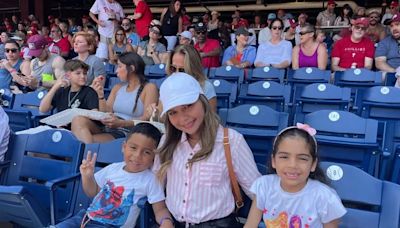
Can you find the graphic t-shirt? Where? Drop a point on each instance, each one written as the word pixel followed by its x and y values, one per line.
pixel 116 202
pixel 85 98
pixel 311 207
pixel 107 12
pixel 353 53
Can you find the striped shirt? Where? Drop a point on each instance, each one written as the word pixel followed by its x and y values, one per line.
pixel 202 191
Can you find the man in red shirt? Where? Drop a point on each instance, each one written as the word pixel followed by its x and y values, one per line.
pixel 209 49
pixel 59 45
pixel 354 51
pixel 142 17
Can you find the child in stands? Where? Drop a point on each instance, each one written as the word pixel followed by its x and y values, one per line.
pixel 71 91
pixel 118 187
pixel 296 194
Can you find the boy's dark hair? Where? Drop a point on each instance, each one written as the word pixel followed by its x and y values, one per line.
pixel 75 64
pixel 293 132
pixel 146 129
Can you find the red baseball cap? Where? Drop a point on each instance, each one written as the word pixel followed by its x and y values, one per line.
pixel 361 21
pixel 394 4
pixel 36 44
pixel 395 18
pixel 331 2
pixel 292 23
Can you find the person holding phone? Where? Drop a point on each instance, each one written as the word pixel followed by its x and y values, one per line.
pixel 119 46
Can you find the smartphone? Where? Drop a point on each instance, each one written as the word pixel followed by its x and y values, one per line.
pixel 21 74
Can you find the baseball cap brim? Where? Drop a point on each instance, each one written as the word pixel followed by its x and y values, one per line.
pixel 184 99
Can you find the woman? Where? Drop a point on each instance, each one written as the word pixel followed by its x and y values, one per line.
pixel 152 51
pixel 290 33
pixel 13 67
pixel 127 101
pixel 240 55
pixel 65 34
pixel 85 46
pixel 277 52
pixel 119 46
pixel 345 15
pixel 309 53
pixel 171 23
pixel 186 58
pixel 212 25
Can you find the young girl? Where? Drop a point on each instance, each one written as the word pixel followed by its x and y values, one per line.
pixel 192 158
pixel 118 187
pixel 296 194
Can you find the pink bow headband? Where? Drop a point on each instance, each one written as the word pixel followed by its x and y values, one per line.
pixel 305 127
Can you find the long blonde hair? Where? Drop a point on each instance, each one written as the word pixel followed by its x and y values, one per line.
pixel 192 62
pixel 208 133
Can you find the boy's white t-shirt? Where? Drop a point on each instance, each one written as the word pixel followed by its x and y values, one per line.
pixel 105 11
pixel 109 207
pixel 313 206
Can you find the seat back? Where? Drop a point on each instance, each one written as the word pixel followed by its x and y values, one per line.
pixel 37 160
pixel 266 73
pixel 319 96
pixel 367 199
pixel 259 125
pixel 6 98
pixel 157 81
pixel 155 71
pixel 270 93
pixel 308 75
pixel 226 92
pixel 229 73
pixel 347 138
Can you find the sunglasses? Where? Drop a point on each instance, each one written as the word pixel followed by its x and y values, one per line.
pixel 305 32
pixel 13 50
pixel 200 32
pixel 173 69
pixel 154 31
pixel 276 28
pixel 360 28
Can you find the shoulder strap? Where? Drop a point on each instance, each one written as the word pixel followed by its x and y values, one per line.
pixel 235 186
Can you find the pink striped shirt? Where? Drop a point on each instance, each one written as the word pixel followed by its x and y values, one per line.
pixel 202 192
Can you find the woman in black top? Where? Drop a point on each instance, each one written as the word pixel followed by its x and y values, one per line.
pixel 171 23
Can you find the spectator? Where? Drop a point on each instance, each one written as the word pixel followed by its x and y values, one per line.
pixel 171 23
pixel 185 38
pixel 354 51
pixel 345 16
pixel 119 46
pixel 13 67
pixel 376 32
pixel 86 22
pixel 142 17
pixel 328 16
pixel 131 36
pixel 302 21
pixel 64 32
pixel 127 101
pixel 4 37
pixel 257 23
pixel 186 59
pixel 320 37
pixel 290 34
pixel 60 45
pixel 51 66
pixel 387 54
pixel 309 53
pixel 360 11
pixel 240 55
pixel 209 49
pixel 393 9
pixel 71 91
pixel 4 134
pixel 152 51
pixel 110 13
pixel 46 33
pixel 185 19
pixel 84 46
pixel 265 33
pixel 213 23
pixel 72 26
pixel 277 52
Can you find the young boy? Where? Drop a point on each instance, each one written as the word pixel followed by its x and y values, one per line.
pixel 77 95
pixel 118 187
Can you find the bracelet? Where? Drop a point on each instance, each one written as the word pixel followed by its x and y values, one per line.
pixel 162 220
pixel 12 70
pixel 101 98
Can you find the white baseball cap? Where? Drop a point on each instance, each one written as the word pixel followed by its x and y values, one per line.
pixel 179 89
pixel 186 34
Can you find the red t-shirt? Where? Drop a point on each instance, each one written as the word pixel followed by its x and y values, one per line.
pixel 209 45
pixel 143 23
pixel 350 52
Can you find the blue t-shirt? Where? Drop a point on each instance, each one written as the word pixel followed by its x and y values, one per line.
pixel 389 48
pixel 5 76
pixel 133 39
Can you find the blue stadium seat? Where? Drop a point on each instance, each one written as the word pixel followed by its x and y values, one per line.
pixel 346 138
pixel 157 82
pixel 266 73
pixel 369 202
pixel 226 92
pixel 270 93
pixel 39 182
pixel 25 112
pixel 319 96
pixel 390 79
pixel 259 125
pixel 155 71
pixel 107 153
pixel 229 73
pixel 383 104
pixel 6 98
pixel 308 75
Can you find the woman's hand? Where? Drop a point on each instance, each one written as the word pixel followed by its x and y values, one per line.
pixel 112 121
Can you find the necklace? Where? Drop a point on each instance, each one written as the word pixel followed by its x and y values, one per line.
pixel 73 98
